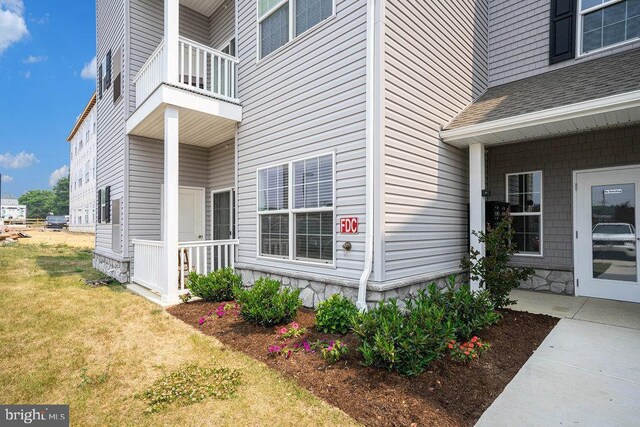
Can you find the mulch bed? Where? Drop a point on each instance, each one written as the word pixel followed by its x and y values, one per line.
pixel 449 393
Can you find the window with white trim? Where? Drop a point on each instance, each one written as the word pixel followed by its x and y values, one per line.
pixel 606 23
pixel 280 21
pixel 302 228
pixel 524 195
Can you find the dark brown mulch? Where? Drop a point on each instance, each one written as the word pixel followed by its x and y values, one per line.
pixel 449 393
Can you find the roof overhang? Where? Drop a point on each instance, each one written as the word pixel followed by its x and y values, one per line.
pixel 204 121
pixel 615 110
pixel 82 116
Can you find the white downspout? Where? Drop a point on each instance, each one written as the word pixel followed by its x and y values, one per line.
pixel 369 219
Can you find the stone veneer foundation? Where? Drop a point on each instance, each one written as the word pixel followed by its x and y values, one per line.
pixel 119 270
pixel 313 292
pixel 559 282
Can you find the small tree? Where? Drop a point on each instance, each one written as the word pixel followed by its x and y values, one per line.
pixel 493 270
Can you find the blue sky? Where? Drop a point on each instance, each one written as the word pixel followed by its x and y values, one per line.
pixel 44 46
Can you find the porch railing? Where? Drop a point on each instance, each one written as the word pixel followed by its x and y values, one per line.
pixel 201 69
pixel 147 263
pixel 150 75
pixel 202 257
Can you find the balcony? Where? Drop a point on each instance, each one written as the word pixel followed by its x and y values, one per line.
pixel 201 69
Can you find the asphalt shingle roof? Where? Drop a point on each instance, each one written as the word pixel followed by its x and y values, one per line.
pixel 597 78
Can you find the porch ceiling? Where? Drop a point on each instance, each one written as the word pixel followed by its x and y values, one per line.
pixel 205 7
pixel 196 128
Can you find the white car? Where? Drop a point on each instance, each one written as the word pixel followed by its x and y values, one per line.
pixel 614 237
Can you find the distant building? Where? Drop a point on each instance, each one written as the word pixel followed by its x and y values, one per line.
pixel 82 174
pixel 11 209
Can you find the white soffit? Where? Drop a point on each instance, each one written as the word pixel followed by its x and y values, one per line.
pixel 605 112
pixel 204 7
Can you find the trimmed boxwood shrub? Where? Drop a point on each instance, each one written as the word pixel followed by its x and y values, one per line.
pixel 334 315
pixel 266 303
pixel 405 342
pixel 216 286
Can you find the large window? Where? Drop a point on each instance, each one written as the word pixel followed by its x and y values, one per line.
pixel 524 194
pixel 280 21
pixel 606 23
pixel 302 228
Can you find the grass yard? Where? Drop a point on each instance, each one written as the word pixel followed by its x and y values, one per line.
pixel 95 348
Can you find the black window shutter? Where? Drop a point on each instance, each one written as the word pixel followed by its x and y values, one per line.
pixel 562 30
pixel 100 81
pixel 99 206
pixel 107 77
pixel 107 205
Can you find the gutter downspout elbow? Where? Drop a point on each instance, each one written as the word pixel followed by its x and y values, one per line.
pixel 361 303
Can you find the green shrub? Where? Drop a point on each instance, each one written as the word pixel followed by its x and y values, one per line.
pixel 216 286
pixel 267 304
pixel 334 315
pixel 468 312
pixel 403 342
pixel 493 270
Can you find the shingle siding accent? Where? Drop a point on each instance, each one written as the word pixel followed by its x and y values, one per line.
pixel 519 41
pixel 558 158
pixel 435 65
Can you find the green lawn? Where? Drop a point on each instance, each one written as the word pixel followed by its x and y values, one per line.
pixel 95 348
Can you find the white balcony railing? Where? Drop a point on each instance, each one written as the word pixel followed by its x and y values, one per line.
pixel 202 257
pixel 150 75
pixel 200 69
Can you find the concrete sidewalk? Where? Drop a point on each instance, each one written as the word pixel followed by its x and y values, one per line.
pixel 586 372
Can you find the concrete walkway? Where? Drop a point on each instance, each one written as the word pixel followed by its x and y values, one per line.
pixel 586 372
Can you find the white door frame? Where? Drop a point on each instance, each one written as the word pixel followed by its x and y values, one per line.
pixel 231 209
pixel 203 192
pixel 574 186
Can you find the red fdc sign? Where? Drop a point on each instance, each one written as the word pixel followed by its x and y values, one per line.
pixel 349 225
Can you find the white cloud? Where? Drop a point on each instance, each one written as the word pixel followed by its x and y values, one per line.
pixel 40 20
pixel 89 70
pixel 27 74
pixel 12 25
pixel 20 160
pixel 58 174
pixel 32 59
pixel 6 179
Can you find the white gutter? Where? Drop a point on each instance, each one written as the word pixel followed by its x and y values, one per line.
pixel 369 218
pixel 463 136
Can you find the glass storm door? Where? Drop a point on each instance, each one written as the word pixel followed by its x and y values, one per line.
pixel 606 240
pixel 223 220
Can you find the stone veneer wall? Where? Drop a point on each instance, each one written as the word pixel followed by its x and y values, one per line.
pixel 314 292
pixel 119 270
pixel 559 282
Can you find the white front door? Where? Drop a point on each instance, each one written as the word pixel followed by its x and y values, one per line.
pixel 606 239
pixel 191 214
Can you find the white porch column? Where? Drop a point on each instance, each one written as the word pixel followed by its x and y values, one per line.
pixel 170 206
pixel 171 36
pixel 476 200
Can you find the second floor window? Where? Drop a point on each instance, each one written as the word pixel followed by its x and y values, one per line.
pixel 606 23
pixel 280 21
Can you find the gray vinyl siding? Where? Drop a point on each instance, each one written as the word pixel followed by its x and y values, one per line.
pixel 519 41
pixel 435 65
pixel 146 176
pixel 305 100
pixel 557 158
pixel 110 18
pixel 222 24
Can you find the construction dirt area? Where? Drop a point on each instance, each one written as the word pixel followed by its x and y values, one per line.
pixel 38 236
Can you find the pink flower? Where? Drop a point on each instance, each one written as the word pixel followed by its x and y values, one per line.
pixel 283 331
pixel 294 325
pixel 201 321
